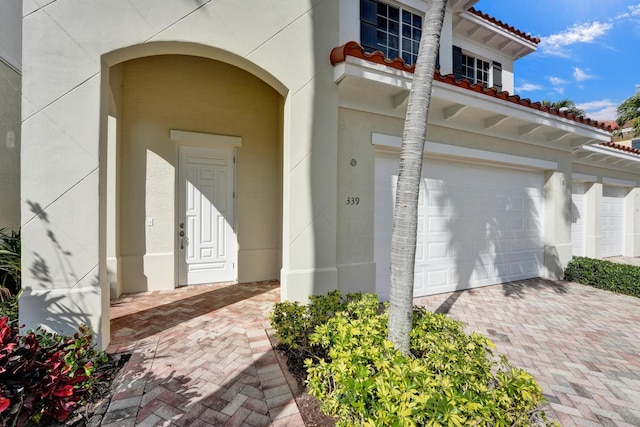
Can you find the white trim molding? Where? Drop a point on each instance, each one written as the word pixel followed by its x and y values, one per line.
pixel 205 138
pixel 581 177
pixel 611 152
pixel 391 141
pixel 618 182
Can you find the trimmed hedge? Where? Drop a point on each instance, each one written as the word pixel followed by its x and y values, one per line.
pixel 602 274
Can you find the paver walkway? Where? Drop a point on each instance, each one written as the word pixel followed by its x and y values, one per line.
pixel 201 356
pixel 580 343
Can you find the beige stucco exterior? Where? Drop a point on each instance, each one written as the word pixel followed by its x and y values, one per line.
pixel 161 93
pixel 105 113
pixel 67 96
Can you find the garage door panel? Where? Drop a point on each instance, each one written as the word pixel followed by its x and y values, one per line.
pixel 480 275
pixel 480 225
pixel 437 224
pixel 613 207
pixel 522 270
pixel 437 250
pixel 578 218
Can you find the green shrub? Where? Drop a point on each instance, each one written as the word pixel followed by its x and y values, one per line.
pixel 294 323
pixel 450 379
pixel 10 270
pixel 602 274
pixel 9 309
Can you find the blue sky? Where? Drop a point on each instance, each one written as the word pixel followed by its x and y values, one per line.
pixel 589 50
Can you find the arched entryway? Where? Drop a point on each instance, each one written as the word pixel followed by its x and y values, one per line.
pixel 193 169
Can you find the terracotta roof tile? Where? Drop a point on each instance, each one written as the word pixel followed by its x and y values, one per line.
pixel 614 125
pixel 507 27
pixel 339 54
pixel 622 147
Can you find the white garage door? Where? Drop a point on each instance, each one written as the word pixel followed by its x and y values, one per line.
pixel 478 225
pixel 578 218
pixel 613 221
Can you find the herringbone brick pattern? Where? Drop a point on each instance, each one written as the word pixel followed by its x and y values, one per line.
pixel 201 356
pixel 581 344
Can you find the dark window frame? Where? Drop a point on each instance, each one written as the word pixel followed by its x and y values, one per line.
pixel 393 30
pixel 476 70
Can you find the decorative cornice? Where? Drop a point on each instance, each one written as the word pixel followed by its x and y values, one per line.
pixel 505 26
pixel 620 147
pixel 354 49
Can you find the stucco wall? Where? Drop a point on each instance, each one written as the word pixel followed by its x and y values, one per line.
pixel 161 93
pixel 356 267
pixel 9 147
pixel 68 51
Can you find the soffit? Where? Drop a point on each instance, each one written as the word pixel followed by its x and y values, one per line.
pixel 494 34
pixel 609 155
pixel 370 82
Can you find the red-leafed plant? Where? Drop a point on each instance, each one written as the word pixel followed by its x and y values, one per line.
pixel 44 374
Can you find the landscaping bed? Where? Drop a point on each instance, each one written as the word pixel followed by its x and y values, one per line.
pixel 359 378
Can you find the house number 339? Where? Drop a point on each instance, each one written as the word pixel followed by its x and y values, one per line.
pixel 353 200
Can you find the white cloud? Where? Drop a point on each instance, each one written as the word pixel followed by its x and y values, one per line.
pixel 528 87
pixel 557 81
pixel 556 44
pixel 633 11
pixel 603 109
pixel 558 84
pixel 581 75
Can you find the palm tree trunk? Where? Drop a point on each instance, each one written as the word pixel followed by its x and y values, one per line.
pixel 405 215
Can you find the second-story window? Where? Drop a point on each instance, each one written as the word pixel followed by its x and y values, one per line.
pixel 394 31
pixel 475 69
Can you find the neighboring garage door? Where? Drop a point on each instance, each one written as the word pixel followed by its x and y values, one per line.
pixel 613 221
pixel 578 218
pixel 478 225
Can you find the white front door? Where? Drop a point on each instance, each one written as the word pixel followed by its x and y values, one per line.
pixel 206 243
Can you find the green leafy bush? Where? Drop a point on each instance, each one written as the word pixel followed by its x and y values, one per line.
pixel 9 309
pixel 10 270
pixel 44 375
pixel 450 379
pixel 602 274
pixel 294 323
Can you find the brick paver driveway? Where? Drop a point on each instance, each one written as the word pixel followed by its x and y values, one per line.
pixel 581 344
pixel 201 355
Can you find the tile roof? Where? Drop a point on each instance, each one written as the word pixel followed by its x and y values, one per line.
pixel 505 26
pixel 339 54
pixel 620 147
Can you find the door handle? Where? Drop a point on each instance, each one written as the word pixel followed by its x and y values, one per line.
pixel 181 234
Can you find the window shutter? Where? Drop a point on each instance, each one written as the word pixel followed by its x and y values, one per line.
pixel 457 62
pixel 497 75
pixel 368 25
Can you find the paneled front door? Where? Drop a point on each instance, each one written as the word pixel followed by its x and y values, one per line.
pixel 206 241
